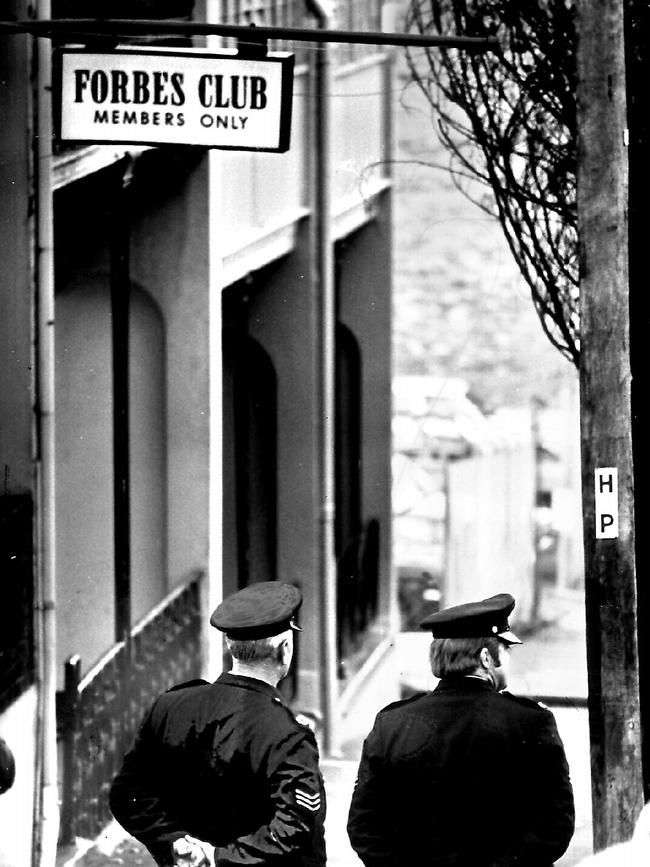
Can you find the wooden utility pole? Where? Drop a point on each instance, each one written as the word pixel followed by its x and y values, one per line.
pixel 606 422
pixel 637 38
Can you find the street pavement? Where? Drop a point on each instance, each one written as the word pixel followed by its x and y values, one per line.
pixel 550 663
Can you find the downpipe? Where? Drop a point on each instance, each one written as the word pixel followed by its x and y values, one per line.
pixel 324 267
pixel 46 826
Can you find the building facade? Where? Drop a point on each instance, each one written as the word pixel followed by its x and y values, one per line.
pixel 194 396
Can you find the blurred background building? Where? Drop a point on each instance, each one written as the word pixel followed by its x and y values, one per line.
pixel 483 501
pixel 486 444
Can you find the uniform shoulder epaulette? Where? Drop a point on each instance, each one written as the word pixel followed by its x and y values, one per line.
pixel 196 682
pixel 401 702
pixel 296 718
pixel 294 715
pixel 307 719
pixel 528 702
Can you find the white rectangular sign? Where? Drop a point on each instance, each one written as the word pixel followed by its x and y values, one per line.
pixel 606 491
pixel 174 97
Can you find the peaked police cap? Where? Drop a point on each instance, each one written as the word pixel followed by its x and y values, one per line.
pixel 487 618
pixel 258 611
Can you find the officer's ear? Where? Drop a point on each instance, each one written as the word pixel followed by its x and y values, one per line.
pixel 485 658
pixel 286 650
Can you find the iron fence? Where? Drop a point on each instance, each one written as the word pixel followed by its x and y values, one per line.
pixel 99 713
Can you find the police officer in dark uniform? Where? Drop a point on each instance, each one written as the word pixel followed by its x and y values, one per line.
pixel 465 775
pixel 226 764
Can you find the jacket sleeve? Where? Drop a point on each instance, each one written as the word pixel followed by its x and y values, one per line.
pixel 298 796
pixel 369 822
pixel 552 814
pixel 136 802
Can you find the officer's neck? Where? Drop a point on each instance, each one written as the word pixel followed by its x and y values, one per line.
pixel 266 673
pixel 482 674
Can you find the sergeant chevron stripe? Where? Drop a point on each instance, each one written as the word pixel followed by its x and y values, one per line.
pixel 310 802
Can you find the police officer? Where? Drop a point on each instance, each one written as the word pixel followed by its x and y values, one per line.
pixel 465 775
pixel 224 770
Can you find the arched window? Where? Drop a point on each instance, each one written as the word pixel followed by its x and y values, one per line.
pixel 250 480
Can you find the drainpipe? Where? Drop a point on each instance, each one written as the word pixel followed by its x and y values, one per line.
pixel 324 267
pixel 46 828
pixel 119 240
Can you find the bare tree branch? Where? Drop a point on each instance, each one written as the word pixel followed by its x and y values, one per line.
pixel 508 121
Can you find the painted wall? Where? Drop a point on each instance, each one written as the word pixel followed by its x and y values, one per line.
pixel 170 259
pixel 358 129
pixel 84 476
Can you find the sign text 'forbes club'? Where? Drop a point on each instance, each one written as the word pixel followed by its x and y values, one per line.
pixel 173 97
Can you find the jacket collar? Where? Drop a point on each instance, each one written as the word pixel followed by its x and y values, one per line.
pixel 250 683
pixel 464 684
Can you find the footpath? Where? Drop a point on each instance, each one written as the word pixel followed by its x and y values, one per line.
pixel 550 663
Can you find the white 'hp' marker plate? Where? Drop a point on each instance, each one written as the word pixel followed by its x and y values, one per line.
pixel 606 489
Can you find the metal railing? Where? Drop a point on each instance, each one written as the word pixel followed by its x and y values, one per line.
pixel 99 713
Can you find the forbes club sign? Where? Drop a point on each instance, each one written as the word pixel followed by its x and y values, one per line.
pixel 174 97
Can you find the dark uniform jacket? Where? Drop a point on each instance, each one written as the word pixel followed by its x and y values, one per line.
pixel 229 764
pixel 462 776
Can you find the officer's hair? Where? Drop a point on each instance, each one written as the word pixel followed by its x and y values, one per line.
pixel 460 656
pixel 258 649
